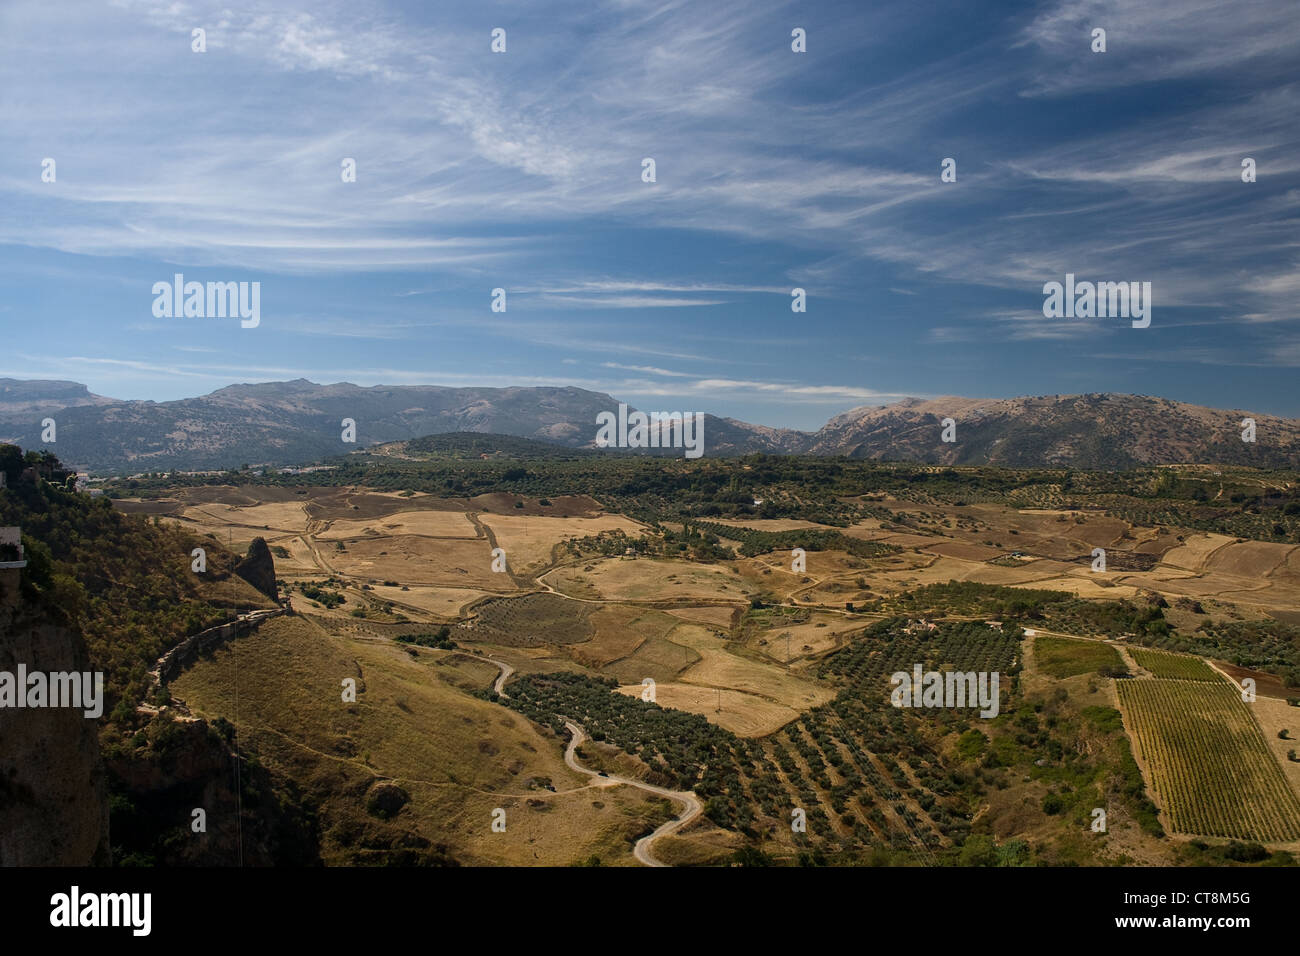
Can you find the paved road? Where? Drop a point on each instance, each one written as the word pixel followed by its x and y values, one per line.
pixel 506 670
pixel 689 801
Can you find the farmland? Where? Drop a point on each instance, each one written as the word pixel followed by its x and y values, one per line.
pixel 1209 761
pixel 770 678
pixel 1064 657
pixel 1174 666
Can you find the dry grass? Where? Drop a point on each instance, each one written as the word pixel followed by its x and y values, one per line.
pixel 647 579
pixel 433 524
pixel 619 632
pixel 415 560
pixel 1195 551
pixel 528 540
pixel 719 616
pixel 438 602
pixel 413 723
pixel 746 715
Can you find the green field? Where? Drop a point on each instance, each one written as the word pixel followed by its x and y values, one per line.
pixel 1173 666
pixel 1209 762
pixel 1062 657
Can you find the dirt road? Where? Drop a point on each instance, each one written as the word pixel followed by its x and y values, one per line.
pixel 689 801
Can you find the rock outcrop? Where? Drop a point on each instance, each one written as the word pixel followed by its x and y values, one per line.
pixel 258 568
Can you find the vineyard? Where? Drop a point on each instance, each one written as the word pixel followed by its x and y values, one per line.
pixel 532 620
pixel 1173 666
pixel 1209 762
pixel 1264 645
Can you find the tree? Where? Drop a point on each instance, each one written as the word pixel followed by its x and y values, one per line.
pixel 752 856
pixel 11 462
pixel 979 850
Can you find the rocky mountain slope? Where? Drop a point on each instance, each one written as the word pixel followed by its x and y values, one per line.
pixel 1088 431
pixel 281 423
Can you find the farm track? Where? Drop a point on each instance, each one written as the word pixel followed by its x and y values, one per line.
pixel 642 851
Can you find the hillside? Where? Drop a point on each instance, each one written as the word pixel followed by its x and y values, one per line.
pixel 1080 431
pixel 281 423
pixel 110 592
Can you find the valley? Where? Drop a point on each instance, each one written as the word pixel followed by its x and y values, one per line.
pixel 691 656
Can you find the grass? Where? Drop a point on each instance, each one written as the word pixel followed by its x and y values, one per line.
pixel 417 724
pixel 1062 657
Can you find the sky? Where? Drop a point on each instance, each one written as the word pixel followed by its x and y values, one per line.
pixel 774 170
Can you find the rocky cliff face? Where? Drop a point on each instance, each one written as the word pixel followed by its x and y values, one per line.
pixel 53 790
pixel 258 568
pixel 189 764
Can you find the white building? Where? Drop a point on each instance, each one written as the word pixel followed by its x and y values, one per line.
pixel 14 537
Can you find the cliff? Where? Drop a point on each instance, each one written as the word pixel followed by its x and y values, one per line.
pixel 53 789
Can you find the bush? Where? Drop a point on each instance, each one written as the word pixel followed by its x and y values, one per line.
pixel 1245 852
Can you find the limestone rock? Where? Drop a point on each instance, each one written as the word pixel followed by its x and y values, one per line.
pixel 258 568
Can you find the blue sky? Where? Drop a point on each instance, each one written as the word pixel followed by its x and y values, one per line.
pixel 775 170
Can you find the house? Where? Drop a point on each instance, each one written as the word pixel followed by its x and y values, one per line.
pixel 11 563
pixel 11 548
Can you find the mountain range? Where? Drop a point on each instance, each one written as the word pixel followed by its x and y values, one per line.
pixel 281 423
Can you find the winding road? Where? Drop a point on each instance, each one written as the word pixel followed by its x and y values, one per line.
pixel 690 801
pixel 692 807
pixel 499 688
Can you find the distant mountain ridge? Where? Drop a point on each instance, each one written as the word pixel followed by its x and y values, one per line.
pixel 300 421
pixel 1082 431
pixel 41 396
